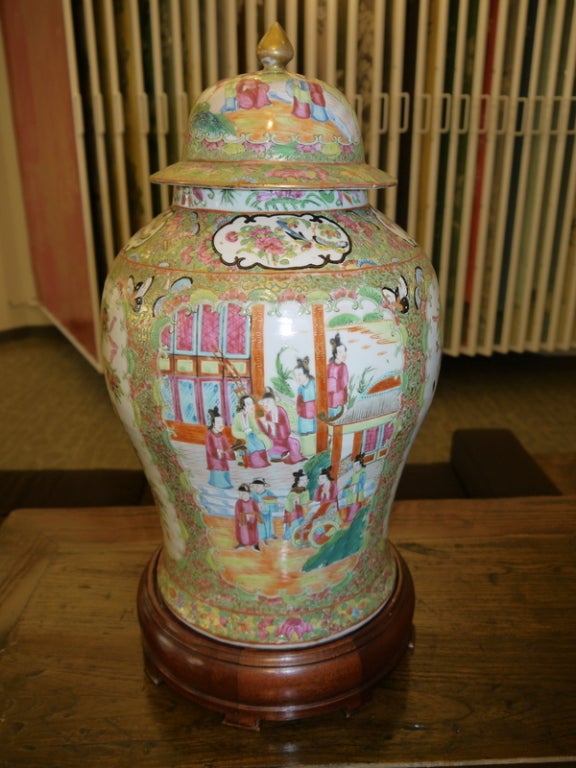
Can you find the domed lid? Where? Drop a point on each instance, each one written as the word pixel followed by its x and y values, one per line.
pixel 272 129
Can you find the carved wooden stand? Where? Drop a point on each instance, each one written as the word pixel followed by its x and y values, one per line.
pixel 252 684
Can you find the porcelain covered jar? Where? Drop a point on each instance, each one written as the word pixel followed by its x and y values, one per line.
pixel 271 346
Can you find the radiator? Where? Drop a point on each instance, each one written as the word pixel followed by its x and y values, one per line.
pixel 469 103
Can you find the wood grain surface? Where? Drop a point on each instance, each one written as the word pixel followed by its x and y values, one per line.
pixel 492 677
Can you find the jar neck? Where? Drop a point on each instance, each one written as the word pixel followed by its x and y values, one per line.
pixel 276 200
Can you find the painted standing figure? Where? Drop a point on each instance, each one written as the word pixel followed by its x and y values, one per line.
pixel 297 501
pixel 217 451
pixel 327 488
pixel 306 406
pixel 246 518
pixel 301 99
pixel 267 504
pixel 337 376
pixel 356 489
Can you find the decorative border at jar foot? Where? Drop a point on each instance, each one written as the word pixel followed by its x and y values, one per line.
pixel 249 685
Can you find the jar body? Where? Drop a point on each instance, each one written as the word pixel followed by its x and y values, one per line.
pixel 272 362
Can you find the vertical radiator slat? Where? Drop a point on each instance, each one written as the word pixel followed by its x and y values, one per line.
pixel 421 113
pixel 395 114
pixel 229 24
pixel 567 338
pixel 536 217
pixel 564 337
pixel 480 268
pixel 251 34
pixel 115 123
pixel 435 70
pixel 563 298
pixel 472 123
pixel 500 210
pixel 310 22
pixel 291 26
pixel 446 196
pixel 211 48
pixel 351 52
pixel 194 80
pixel 99 130
pixel 376 101
pixel 516 272
pixel 270 13
pixel 330 36
pixel 160 99
pixel 553 207
pixel 136 114
pixel 178 100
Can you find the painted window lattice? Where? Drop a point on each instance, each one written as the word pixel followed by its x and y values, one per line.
pixel 204 333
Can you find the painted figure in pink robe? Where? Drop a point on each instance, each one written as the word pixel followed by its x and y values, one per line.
pixel 246 518
pixel 337 377
pixel 276 424
pixel 217 451
pixel 252 93
pixel 248 93
pixel 306 406
pixel 318 105
pixel 305 397
pixel 327 490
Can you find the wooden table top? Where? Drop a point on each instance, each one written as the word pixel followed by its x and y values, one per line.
pixel 491 680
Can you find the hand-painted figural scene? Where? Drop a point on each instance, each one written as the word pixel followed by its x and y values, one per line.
pixel 272 369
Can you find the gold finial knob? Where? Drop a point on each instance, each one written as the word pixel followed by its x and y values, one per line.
pixel 275 50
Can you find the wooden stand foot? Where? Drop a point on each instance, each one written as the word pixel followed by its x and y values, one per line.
pixel 249 685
